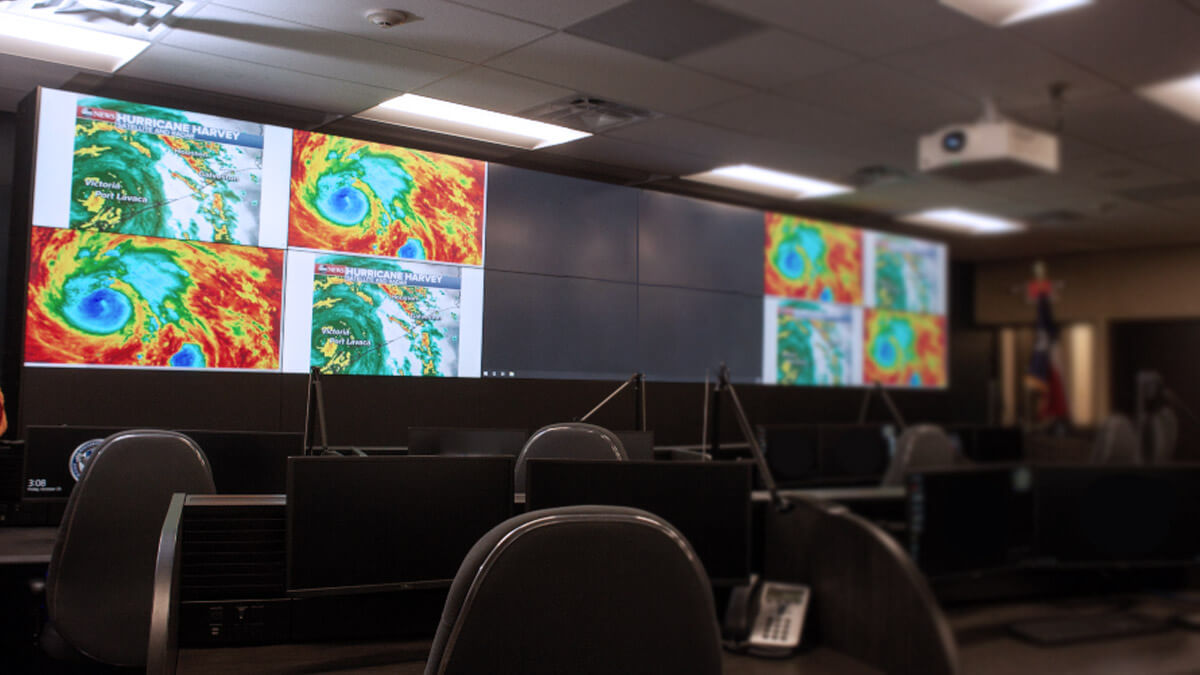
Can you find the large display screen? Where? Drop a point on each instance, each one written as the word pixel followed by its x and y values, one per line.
pixel 845 306
pixel 170 239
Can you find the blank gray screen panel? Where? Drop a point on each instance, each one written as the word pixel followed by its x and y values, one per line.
pixel 684 331
pixel 559 327
pixel 699 244
pixel 547 224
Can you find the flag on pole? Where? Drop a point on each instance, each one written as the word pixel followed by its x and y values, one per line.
pixel 1045 366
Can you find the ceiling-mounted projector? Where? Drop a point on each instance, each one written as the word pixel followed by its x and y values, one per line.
pixel 989 149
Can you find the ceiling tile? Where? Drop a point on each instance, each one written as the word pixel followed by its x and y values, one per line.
pixel 1096 168
pixel 592 68
pixel 723 147
pixel 866 27
pixel 637 26
pixel 494 90
pixel 1046 193
pixel 767 58
pixel 1134 43
pixel 1013 72
pixel 444 28
pixel 875 92
pixel 1181 158
pixel 239 78
pixel 1119 121
pixel 253 37
pixel 651 159
pixel 783 119
pixel 922 192
pixel 553 13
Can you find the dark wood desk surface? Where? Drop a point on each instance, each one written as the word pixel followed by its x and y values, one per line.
pixel 408 658
pixel 987 648
pixel 26 545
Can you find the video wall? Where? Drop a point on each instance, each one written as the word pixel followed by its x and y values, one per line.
pixel 169 239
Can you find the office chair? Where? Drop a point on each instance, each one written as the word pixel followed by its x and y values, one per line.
pixel 1162 436
pixel 99 587
pixel 922 446
pixel 583 590
pixel 1116 442
pixel 568 440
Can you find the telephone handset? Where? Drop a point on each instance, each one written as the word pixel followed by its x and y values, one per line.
pixel 766 618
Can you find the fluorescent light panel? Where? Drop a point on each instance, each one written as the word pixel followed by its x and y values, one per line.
pixel 62 43
pixel 1181 95
pixel 769 182
pixel 1008 12
pixel 961 220
pixel 444 117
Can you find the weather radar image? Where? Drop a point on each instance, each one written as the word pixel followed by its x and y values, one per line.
pixel 812 260
pixel 360 197
pixel 380 317
pixel 140 169
pixel 906 275
pixel 97 298
pixel 817 343
pixel 904 349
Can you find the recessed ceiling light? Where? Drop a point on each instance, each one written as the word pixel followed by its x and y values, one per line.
pixel 769 182
pixel 1181 95
pixel 66 44
pixel 445 117
pixel 961 220
pixel 1008 12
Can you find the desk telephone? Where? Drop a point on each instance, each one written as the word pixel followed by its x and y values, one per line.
pixel 766 618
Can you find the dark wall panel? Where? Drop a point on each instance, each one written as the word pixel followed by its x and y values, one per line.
pixel 683 332
pixel 541 326
pixel 699 244
pixel 105 397
pixel 549 224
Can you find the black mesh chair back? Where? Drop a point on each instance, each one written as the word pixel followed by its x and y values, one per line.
pixel 1116 442
pixel 923 446
pixel 568 440
pixel 99 588
pixel 586 590
pixel 1162 436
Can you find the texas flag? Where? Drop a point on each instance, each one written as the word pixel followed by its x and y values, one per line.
pixel 1045 366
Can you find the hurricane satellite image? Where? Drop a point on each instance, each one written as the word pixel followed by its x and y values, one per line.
pixel 141 169
pixel 373 316
pixel 353 196
pixel 97 298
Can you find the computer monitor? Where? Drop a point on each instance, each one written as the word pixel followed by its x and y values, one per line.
pixel 1117 515
pixel 854 452
pixel 248 462
pixel 638 444
pixel 465 442
pixel 969 520
pixel 792 452
pixel 360 524
pixel 55 457
pixel 708 502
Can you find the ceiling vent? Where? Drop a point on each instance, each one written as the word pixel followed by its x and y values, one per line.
pixel 875 175
pixel 588 113
pixel 133 18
